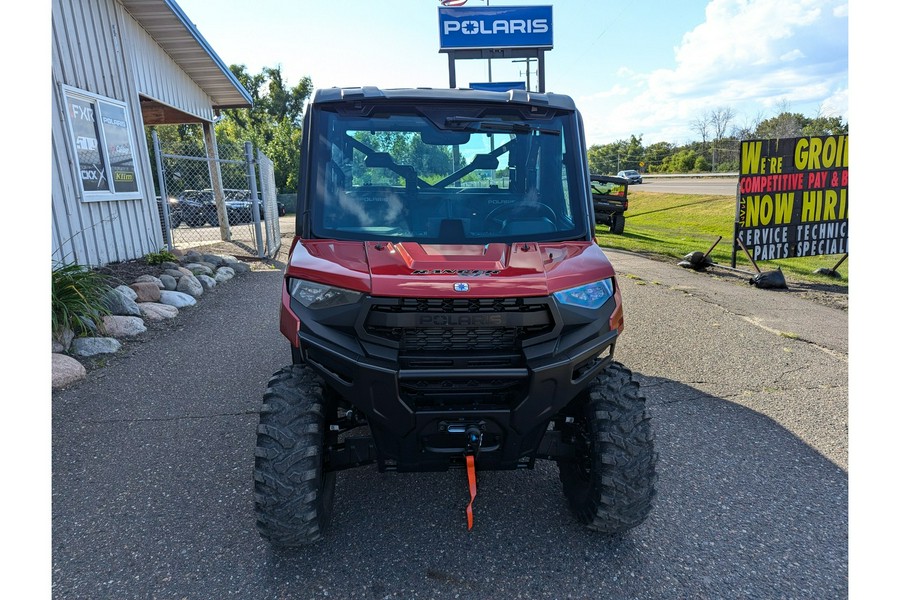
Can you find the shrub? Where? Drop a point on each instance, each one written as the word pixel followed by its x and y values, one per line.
pixel 77 298
pixel 157 258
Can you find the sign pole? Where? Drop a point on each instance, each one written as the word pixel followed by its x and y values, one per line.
pixel 451 57
pixel 542 85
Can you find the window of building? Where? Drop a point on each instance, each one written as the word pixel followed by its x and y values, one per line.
pixel 104 146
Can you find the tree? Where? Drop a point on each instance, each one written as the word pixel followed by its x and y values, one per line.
pixel 720 119
pixel 718 150
pixel 655 154
pixel 272 124
pixel 785 125
pixel 701 126
pixel 682 161
pixel 603 160
pixel 632 154
pixel 825 126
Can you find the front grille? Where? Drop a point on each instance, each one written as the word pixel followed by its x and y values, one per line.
pixel 471 394
pixel 501 339
pixel 458 324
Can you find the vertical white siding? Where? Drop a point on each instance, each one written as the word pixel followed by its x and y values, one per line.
pixel 158 77
pixel 99 48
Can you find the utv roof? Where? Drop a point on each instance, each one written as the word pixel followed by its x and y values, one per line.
pixel 351 94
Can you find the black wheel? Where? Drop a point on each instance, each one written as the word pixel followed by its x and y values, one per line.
pixel 293 494
pixel 618 224
pixel 611 481
pixel 214 219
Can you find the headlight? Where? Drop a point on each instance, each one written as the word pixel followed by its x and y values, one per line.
pixel 318 295
pixel 592 295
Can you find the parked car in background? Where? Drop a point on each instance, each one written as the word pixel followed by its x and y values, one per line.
pixel 240 206
pixel 175 217
pixel 631 175
pixel 197 208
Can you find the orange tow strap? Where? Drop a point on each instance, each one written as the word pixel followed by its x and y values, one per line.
pixel 470 470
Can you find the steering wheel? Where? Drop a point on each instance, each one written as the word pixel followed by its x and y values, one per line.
pixel 529 211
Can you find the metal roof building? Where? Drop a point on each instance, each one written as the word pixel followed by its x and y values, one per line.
pixel 119 65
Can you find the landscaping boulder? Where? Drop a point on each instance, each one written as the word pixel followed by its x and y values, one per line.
pixel 91 346
pixel 66 370
pixel 176 299
pixel 239 267
pixel 198 269
pixel 223 274
pixel 146 291
pixel 118 303
pixel 169 282
pixel 190 285
pixel 150 279
pixel 127 291
pixel 207 282
pixel 214 260
pixel 123 326
pixel 156 311
pixel 62 339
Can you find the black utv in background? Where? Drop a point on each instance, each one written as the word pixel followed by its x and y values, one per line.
pixel 610 196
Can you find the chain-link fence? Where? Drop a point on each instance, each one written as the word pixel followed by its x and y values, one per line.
pixel 213 199
pixel 269 196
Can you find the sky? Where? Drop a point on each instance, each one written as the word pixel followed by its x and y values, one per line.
pixel 646 68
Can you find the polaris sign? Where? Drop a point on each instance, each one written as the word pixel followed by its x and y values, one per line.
pixel 496 27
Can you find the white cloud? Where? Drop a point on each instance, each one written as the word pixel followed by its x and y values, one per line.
pixel 795 54
pixel 750 56
pixel 837 104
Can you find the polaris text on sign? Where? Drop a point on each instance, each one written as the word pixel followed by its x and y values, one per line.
pixel 496 27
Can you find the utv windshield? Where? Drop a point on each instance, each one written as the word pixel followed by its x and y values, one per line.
pixel 445 174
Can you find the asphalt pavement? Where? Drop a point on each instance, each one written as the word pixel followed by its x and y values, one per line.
pixel 153 468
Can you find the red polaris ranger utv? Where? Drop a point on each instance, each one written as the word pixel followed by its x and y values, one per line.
pixel 446 306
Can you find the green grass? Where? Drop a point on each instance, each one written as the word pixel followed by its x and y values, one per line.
pixel 673 225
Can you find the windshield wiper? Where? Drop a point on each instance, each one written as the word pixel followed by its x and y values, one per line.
pixel 488 125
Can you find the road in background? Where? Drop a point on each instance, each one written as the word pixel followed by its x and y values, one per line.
pixel 153 468
pixel 726 186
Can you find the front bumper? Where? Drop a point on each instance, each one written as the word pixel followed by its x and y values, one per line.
pixel 422 377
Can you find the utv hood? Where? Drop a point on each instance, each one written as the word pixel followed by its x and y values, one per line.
pixel 409 269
